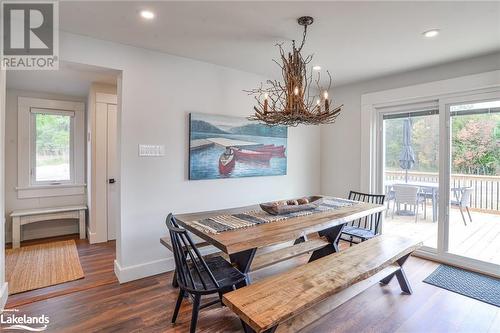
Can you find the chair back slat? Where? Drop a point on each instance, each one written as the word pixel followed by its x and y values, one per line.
pixel 406 194
pixel 466 193
pixel 193 272
pixel 370 222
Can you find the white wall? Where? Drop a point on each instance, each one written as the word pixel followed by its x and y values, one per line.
pixel 158 91
pixel 42 229
pixel 3 284
pixel 341 142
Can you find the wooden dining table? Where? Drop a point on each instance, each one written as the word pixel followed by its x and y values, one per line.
pixel 241 244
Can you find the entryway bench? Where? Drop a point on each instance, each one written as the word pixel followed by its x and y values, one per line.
pixel 26 216
pixel 296 298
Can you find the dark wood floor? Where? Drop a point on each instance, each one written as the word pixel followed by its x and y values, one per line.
pixel 97 262
pixel 146 305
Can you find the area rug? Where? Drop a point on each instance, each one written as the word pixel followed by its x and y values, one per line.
pixel 474 285
pixel 37 266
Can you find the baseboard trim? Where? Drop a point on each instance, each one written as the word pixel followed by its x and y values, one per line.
pixel 4 293
pixel 135 272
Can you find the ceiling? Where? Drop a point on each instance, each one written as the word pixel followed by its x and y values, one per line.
pixel 354 40
pixel 71 79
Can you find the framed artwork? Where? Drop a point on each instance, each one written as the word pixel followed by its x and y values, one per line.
pixel 234 147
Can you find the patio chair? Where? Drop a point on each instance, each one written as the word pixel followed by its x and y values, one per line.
pixel 198 276
pixel 408 195
pixel 462 196
pixel 367 227
pixel 389 196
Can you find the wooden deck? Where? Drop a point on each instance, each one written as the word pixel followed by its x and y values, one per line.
pixel 480 239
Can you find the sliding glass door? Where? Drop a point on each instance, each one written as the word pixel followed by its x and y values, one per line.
pixel 410 173
pixel 439 166
pixel 474 180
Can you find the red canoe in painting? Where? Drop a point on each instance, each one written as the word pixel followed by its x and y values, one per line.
pixel 252 155
pixel 274 150
pixel 227 162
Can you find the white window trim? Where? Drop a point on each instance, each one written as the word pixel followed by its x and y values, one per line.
pixel 26 188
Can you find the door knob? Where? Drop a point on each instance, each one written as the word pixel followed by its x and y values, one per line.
pixel 112 181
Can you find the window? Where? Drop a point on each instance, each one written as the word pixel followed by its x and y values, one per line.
pixel 51 151
pixel 51 148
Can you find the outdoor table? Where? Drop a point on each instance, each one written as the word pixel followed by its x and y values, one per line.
pixel 432 188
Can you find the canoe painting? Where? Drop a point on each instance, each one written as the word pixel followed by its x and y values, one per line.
pixel 234 147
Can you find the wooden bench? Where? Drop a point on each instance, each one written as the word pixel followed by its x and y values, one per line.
pixel 22 217
pixel 295 299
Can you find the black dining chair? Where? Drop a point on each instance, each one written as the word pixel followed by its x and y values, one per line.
pixel 366 227
pixel 196 275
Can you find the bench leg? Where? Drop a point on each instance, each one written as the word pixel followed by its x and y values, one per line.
pixel 333 236
pixel 242 261
pixel 248 329
pixel 81 222
pixel 16 232
pixel 400 275
pixel 404 284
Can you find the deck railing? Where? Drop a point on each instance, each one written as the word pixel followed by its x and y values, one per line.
pixel 486 189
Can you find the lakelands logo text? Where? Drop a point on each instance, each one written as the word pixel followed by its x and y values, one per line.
pixel 30 33
pixel 11 320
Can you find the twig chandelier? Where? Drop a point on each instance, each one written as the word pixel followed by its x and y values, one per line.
pixel 292 102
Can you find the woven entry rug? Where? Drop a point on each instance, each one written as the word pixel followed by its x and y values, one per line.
pixel 37 266
pixel 221 223
pixel 474 285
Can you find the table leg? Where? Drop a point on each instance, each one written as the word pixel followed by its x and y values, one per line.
pixel 16 232
pixel 242 261
pixel 332 235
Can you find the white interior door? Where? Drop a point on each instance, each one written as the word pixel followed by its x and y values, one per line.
pixel 100 177
pixel 112 166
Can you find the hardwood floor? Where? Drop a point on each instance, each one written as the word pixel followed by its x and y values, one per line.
pixel 146 305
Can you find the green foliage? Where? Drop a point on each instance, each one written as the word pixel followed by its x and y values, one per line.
pixel 475 143
pixel 52 134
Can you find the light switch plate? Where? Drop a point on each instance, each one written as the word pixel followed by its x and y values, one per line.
pixel 151 150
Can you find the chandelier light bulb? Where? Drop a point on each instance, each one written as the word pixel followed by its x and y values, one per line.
pixel 325 94
pixel 318 101
pixel 296 91
pixel 266 96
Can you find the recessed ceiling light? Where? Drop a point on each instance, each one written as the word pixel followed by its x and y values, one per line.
pixel 147 14
pixel 431 33
pixel 317 68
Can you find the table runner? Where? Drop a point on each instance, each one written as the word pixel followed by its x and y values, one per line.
pixel 227 222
